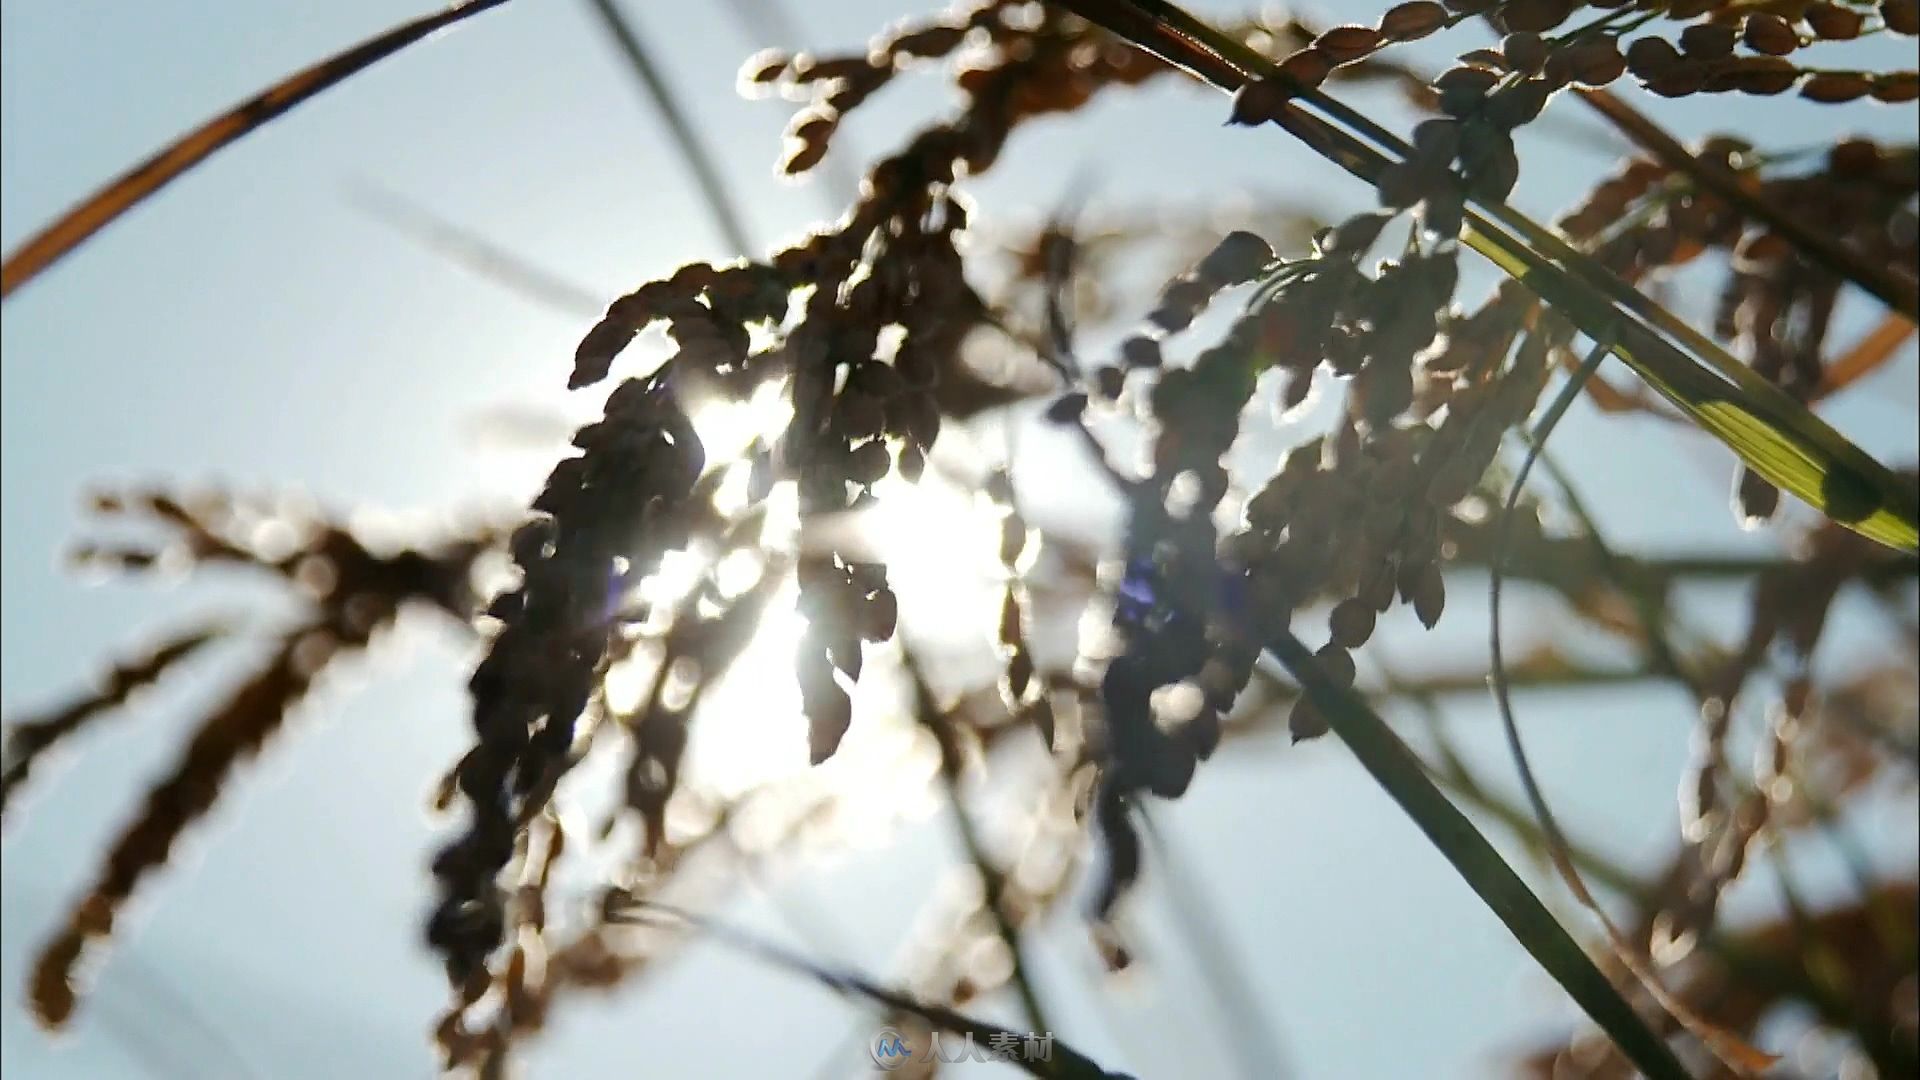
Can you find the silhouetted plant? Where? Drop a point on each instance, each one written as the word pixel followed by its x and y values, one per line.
pixel 651 556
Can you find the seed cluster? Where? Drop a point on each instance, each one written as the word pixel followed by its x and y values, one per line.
pixel 862 332
pixel 1705 56
pixel 883 307
pixel 606 518
pixel 1355 518
pixel 350 594
pixel 1776 303
pixel 1021 692
pixel 1788 614
pixel 27 740
pixel 1026 65
pixel 1308 67
pixel 1429 400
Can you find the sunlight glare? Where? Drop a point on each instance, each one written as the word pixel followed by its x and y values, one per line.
pixel 939 542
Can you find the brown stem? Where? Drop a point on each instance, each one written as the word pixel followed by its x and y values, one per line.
pixel 1898 291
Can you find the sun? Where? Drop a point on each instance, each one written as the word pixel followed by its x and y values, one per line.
pixel 938 540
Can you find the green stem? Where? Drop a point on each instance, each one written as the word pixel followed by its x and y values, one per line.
pixel 1401 773
pixel 1748 964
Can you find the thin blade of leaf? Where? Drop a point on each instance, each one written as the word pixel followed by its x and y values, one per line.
pixel 1401 774
pixel 1745 1060
pixel 471 251
pixel 711 181
pixel 73 229
pixel 1776 436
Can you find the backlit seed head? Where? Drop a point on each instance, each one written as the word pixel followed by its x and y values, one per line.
pixel 1765 32
pixel 1305 721
pixel 1762 76
pixel 1678 82
pixel 1345 44
pixel 1857 158
pixel 1013 539
pixel 1296 390
pixel 1401 186
pixel 803 156
pixel 1407 578
pixel 1652 57
pixel 929 42
pixel 1755 501
pixel 1520 104
pixel 912 462
pixel 1833 22
pixel 1429 595
pixel 1384 391
pixel 1201 733
pixel 1305 70
pixel 1896 87
pixel 1901 16
pixel 1708 41
pixel 829 714
pixel 1454 479
pixel 814 126
pixel 1377 587
pixel 859 415
pixel 1351 623
pixel 1443 214
pixel 1009 632
pixel 1337 663
pixel 879 615
pixel 1525 52
pixel 1596 62
pixel 765 66
pixel 1536 16
pixel 809 68
pixel 1260 101
pixel 1412 21
pixel 1180 303
pixel 1237 258
pixel 1834 87
pixel 1019 673
pixel 868 463
pixel 1358 233
pixel 1462 89
pixel 1437 142
pixel 1496 174
pixel 1140 352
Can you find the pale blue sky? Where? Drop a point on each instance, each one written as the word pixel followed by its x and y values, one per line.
pixel 250 325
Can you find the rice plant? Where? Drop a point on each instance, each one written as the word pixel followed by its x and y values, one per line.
pixel 1308 429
